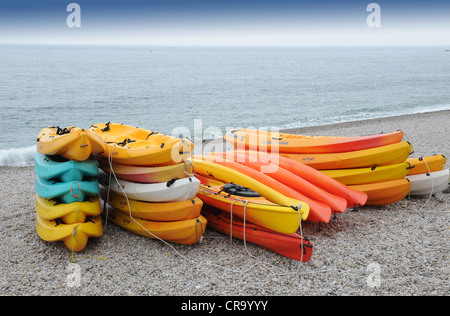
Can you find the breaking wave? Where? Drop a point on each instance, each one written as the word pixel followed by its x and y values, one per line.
pixel 18 157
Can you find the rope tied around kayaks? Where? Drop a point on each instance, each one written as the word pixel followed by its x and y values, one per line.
pixel 196 233
pixel 189 174
pixel 113 174
pixel 244 204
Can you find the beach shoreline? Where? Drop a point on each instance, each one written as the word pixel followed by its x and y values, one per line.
pixel 404 244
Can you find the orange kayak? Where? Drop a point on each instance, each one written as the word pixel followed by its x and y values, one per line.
pixel 426 164
pixel 315 177
pixel 384 193
pixel 319 212
pixel 298 144
pixel 73 143
pixel 288 245
pixel 293 181
pixel 129 145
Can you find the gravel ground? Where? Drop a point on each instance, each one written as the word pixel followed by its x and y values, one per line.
pixel 400 249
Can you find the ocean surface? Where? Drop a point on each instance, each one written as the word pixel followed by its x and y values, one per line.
pixel 208 90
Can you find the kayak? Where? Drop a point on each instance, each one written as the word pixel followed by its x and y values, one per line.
pixel 245 139
pixel 228 175
pixel 57 167
pixel 74 236
pixel 384 193
pixel 69 213
pixel 72 143
pixel 244 202
pixel 186 232
pixel 289 245
pixel 297 183
pixel 380 156
pixel 158 212
pixel 270 165
pixel 130 145
pixel 67 192
pixel 369 175
pixel 426 164
pixel 143 174
pixel 172 191
pixel 318 211
pixel 429 183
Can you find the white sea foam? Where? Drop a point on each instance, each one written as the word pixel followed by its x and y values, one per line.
pixel 18 157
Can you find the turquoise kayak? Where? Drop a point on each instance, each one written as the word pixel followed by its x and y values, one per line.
pixel 68 192
pixel 58 168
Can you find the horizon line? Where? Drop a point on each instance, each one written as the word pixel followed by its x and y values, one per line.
pixel 174 45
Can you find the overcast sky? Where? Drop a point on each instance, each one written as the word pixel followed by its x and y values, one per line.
pixel 226 22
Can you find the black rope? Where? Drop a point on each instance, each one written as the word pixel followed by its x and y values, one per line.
pixel 171 182
pixel 107 128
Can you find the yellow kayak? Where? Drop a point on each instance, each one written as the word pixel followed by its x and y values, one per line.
pixel 228 175
pixel 369 175
pixel 158 212
pixel 71 213
pixel 74 236
pixel 187 232
pixel 379 156
pixel 130 145
pixel 72 143
pixel 426 164
pixel 256 210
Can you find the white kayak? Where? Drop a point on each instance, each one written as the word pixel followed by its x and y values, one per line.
pixel 429 183
pixel 176 190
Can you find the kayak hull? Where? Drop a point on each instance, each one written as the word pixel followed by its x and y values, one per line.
pixel 73 143
pixel 257 210
pixel 298 144
pixel 69 213
pixel 55 167
pixel 385 193
pixel 130 145
pixel 143 174
pixel 380 156
pixel 75 236
pixel 429 183
pixel 159 212
pixel 369 175
pixel 426 164
pixel 68 192
pixel 172 191
pixel 289 245
pixel 187 232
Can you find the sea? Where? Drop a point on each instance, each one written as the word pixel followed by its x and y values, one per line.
pixel 202 92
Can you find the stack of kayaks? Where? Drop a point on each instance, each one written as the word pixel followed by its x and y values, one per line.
pixel 428 175
pixel 375 164
pixel 67 191
pixel 241 203
pixel 148 184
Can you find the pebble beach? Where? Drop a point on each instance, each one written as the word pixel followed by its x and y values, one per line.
pixel 399 249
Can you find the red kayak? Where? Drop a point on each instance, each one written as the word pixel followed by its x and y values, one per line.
pixel 288 245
